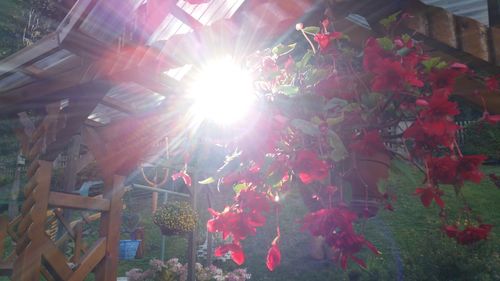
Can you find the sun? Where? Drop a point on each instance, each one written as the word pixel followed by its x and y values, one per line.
pixel 222 92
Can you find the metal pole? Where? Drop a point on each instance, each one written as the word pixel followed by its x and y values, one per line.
pixel 163 237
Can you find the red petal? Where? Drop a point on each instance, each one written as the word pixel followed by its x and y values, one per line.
pixel 359 261
pixel 185 177
pixel 459 66
pixel 421 102
pixel 273 257
pixel 343 262
pixel 306 178
pixel 426 198
pixel 439 201
pixel 238 256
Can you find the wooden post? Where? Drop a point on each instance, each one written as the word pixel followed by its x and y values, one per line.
pixel 69 178
pixel 494 12
pixel 110 227
pixel 193 235
pixel 14 192
pixel 28 264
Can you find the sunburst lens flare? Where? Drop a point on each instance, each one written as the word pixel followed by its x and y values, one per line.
pixel 222 92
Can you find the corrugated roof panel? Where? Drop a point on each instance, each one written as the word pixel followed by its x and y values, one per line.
pixel 205 13
pixel 14 80
pixel 170 26
pixel 54 59
pixel 104 114
pixel 139 97
pixel 475 9
pixel 108 18
pixel 215 10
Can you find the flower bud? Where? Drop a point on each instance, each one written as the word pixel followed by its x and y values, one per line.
pixel 299 26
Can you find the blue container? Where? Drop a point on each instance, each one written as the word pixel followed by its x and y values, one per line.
pixel 128 249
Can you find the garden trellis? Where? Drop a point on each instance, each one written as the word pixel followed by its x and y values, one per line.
pixel 101 72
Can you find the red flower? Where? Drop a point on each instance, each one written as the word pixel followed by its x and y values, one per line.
pixel 269 67
pixel 368 144
pixel 468 168
pixel 237 254
pixel 492 83
pixel 444 79
pixel 429 193
pixel 273 256
pixel 185 177
pixel 449 170
pixel 428 135
pixel 324 39
pixel 470 234
pixel 309 167
pixel 439 107
pixel 336 225
pixel 442 170
pixel 392 76
pixel 373 54
pixel 492 119
pixel 235 223
pixel 253 201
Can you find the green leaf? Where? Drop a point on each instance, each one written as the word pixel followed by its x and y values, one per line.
pixel 312 29
pixel 441 65
pixel 339 150
pixel 403 51
pixel 315 75
pixel 306 127
pixel 388 21
pixel 207 181
pixel 239 187
pixel 385 43
pixel 406 38
pixel 431 63
pixel 288 90
pixel 305 60
pixel 335 121
pixel 283 49
pixel 335 102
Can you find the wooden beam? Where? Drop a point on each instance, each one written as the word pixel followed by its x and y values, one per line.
pixel 443 26
pixel 80 106
pixel 186 18
pixel 90 260
pixel 473 37
pixel 64 222
pixel 57 261
pixel 44 47
pixel 74 18
pixel 72 201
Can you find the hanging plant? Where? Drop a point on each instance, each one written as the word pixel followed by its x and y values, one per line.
pixel 176 218
pixel 330 121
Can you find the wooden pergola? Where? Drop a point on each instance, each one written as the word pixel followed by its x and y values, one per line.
pixel 101 79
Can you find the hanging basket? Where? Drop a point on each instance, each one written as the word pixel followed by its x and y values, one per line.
pixel 365 196
pixel 175 218
pixel 172 232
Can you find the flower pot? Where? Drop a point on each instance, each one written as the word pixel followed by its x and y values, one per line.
pixel 128 249
pixel 365 196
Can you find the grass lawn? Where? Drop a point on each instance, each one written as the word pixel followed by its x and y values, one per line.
pixel 412 246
